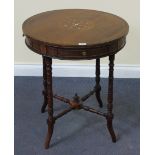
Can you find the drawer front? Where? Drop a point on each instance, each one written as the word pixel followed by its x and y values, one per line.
pixel 75 53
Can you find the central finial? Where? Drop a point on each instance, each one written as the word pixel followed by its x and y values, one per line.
pixel 76 98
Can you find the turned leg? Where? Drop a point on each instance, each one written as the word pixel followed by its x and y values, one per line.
pixel 98 87
pixel 110 99
pixel 45 85
pixel 49 95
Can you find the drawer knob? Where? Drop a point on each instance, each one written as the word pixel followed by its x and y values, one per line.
pixel 84 53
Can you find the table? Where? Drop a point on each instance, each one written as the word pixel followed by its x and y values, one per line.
pixel 75 34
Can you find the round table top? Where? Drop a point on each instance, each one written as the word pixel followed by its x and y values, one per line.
pixel 75 27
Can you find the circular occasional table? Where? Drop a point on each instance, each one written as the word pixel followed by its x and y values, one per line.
pixel 75 34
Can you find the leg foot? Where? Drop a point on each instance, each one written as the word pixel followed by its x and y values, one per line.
pixel 111 130
pixel 49 133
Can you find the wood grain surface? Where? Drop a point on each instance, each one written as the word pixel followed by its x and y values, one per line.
pixel 71 27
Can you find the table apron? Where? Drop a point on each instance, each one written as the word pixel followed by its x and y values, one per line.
pixel 78 53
